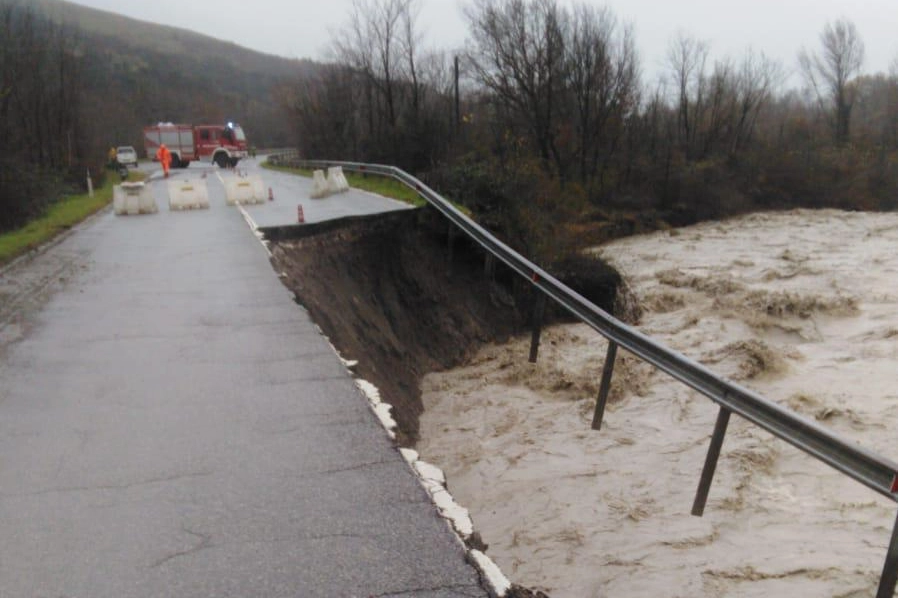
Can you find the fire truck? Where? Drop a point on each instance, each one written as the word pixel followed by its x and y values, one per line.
pixel 224 145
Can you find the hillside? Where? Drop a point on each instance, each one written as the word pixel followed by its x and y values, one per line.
pixel 137 73
pixel 150 37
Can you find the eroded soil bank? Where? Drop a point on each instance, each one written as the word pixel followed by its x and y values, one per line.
pixel 387 294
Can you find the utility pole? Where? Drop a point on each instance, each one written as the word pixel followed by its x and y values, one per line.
pixel 457 101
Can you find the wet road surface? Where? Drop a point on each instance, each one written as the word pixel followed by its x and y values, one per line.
pixel 173 424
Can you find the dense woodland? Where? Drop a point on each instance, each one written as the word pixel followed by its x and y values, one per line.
pixel 545 125
pixel 75 81
pixel 555 138
pixel 38 112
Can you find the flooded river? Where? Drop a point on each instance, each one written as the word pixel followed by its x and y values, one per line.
pixel 799 306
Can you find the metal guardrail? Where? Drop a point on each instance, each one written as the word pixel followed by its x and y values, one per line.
pixel 866 467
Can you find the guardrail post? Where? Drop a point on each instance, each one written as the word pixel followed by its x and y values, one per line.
pixel 704 484
pixel 489 266
pixel 605 386
pixel 890 569
pixel 451 245
pixel 539 310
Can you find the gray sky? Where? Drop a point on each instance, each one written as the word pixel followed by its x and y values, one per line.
pixel 779 28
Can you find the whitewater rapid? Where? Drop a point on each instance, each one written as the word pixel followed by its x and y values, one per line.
pixel 800 306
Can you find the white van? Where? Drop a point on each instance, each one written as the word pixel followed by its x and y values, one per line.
pixel 126 156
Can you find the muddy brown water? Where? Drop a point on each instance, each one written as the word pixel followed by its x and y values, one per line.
pixel 799 306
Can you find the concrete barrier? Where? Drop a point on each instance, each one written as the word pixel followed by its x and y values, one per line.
pixel 133 198
pixel 187 194
pixel 336 180
pixel 244 190
pixel 319 185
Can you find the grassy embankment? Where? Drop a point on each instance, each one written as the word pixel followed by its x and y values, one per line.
pixel 381 185
pixel 60 217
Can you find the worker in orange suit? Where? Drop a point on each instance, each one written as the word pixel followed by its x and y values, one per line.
pixel 164 157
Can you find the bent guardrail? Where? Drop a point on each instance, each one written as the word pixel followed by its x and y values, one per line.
pixel 872 470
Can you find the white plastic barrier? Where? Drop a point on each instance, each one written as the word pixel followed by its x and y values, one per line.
pixel 244 190
pixel 336 180
pixel 133 198
pixel 319 185
pixel 187 194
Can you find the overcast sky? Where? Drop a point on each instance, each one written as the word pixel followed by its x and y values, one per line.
pixel 779 28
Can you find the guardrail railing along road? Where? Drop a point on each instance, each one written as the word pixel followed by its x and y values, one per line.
pixel 866 467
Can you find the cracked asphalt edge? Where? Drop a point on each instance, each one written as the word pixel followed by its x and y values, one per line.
pixel 431 477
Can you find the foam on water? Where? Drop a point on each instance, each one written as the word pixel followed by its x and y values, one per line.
pixel 799 306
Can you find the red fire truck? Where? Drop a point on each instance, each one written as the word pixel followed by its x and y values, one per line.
pixel 224 145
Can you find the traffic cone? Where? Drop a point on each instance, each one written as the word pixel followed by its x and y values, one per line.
pixel 270 194
pixel 300 217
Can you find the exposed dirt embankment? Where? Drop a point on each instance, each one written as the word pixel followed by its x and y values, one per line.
pixel 384 291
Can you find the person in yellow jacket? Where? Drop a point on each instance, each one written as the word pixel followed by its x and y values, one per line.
pixel 164 157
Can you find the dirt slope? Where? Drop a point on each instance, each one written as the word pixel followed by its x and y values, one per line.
pixel 384 291
pixel 381 289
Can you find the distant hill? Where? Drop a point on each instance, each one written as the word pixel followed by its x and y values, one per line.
pixel 137 73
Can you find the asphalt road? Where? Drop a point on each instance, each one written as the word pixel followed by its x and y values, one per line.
pixel 291 191
pixel 173 424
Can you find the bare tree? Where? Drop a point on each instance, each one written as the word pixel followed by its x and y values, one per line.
pixel 519 57
pixel 324 112
pixel 371 45
pixel 687 58
pixel 409 39
pixel 716 124
pixel 830 72
pixel 380 45
pixel 603 72
pixel 758 78
pixel 890 128
pixel 381 101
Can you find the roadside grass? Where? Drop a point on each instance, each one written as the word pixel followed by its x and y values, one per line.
pixel 386 186
pixel 59 217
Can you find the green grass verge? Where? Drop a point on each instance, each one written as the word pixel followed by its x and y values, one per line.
pixel 60 217
pixel 386 186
